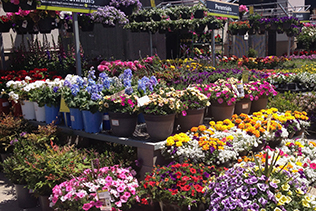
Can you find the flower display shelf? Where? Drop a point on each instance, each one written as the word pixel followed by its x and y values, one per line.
pixel 147 151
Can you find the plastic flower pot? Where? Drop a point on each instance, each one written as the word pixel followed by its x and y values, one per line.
pixel 122 124
pixel 193 118
pixel 28 111
pixel 159 127
pixel 106 121
pixel 52 114
pixel 92 122
pixel 10 7
pixel 4 105
pixel 39 112
pixel 220 112
pixel 24 197
pixel 243 106
pixel 76 119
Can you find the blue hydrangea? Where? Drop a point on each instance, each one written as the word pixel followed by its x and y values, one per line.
pixel 107 83
pixel 91 82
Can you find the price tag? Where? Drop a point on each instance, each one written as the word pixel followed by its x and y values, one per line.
pixel 245 75
pixel 5 104
pixel 152 3
pixel 24 24
pixel 29 2
pixel 251 10
pixel 105 197
pixel 142 101
pixel 72 118
pixel 114 96
pixel 244 106
pixel 115 122
pixel 269 122
pixel 312 191
pixel 240 88
pixel 106 117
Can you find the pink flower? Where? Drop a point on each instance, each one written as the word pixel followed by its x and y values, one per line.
pixel 120 189
pixel 118 204
pixel 313 165
pixel 184 113
pixel 81 194
pixel 127 194
pixel 108 179
pixel 123 199
pixel 98 204
pixel 55 199
pixel 86 206
pixel 220 100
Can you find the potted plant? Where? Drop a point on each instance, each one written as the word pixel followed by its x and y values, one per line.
pixel 243 27
pixel 29 4
pixel 118 191
pixel 199 10
pixel 173 13
pixel 233 28
pixel 185 11
pixel 109 16
pixel 181 185
pixel 10 5
pixel 193 104
pixel 44 19
pixel 5 23
pixel 242 10
pixel 22 22
pixel 85 22
pixel 127 6
pixel 67 22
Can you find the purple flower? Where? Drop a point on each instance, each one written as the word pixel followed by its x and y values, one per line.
pixel 263 201
pixel 272 184
pixel 262 187
pixel 55 89
pixel 253 191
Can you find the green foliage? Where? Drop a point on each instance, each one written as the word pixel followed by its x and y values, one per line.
pixel 284 102
pixel 252 52
pixel 51 97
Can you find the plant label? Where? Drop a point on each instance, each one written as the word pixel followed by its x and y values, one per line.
pixel 72 118
pixel 244 106
pixel 116 95
pixel 142 101
pixel 24 24
pixel 5 104
pixel 29 2
pixel 106 117
pixel 312 191
pixel 105 197
pixel 115 122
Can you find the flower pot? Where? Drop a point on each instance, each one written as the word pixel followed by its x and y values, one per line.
pixel 10 7
pixel 39 112
pixel 28 5
pixel 106 121
pixel 127 10
pixel 17 110
pixel 4 106
pixel 122 124
pixel 259 104
pixel 45 25
pixel 252 31
pixel 279 31
pixel 52 114
pixel 299 132
pixel 243 106
pixel 242 31
pixel 159 127
pixel 28 111
pixel 5 27
pixel 107 26
pixel 193 118
pixel 199 14
pixel 141 118
pixel 44 202
pixel 156 17
pixel 24 197
pixel 185 16
pixel 222 111
pixel 200 28
pixel 262 29
pixel 92 122
pixel 286 25
pixel 76 119
pixel 273 27
pixel 87 27
pixel 233 32
pixel 173 17
pixel 66 117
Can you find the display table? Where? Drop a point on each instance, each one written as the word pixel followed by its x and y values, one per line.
pixel 148 152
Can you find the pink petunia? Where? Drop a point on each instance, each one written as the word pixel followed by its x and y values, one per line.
pixel 313 165
pixel 86 206
pixel 220 100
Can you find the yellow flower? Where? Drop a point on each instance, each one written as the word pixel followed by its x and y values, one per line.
pixel 262 209
pixel 307 198
pixel 305 203
pixel 276 181
pixel 285 187
pixel 289 193
pixel 278 195
pixel 179 143
pixel 170 141
pixel 277 209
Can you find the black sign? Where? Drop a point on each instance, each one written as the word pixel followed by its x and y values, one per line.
pixel 73 5
pixel 302 16
pixel 219 8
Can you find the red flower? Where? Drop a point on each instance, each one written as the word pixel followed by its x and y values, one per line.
pixel 179 174
pixel 144 201
pixel 186 188
pixel 152 183
pixel 198 188
pixel 193 171
pixel 185 178
pixel 173 192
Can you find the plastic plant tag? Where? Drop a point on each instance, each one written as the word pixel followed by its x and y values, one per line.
pixel 5 104
pixel 24 24
pixel 244 106
pixel 142 101
pixel 106 117
pixel 105 197
pixel 63 106
pixel 240 88
pixel 116 95
pixel 312 190
pixel 245 75
pixel 72 118
pixel 29 2
pixel 115 122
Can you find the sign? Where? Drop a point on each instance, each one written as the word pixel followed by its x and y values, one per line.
pixel 251 10
pixel 152 3
pixel 63 106
pixel 83 6
pixel 223 9
pixel 302 16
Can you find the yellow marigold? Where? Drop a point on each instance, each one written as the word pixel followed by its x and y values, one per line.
pixel 212 123
pixel 202 127
pixel 194 129
pixel 170 141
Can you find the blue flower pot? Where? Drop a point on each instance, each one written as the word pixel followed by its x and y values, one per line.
pixel 67 120
pixel 51 114
pixel 76 119
pixel 106 121
pixel 92 122
pixel 140 118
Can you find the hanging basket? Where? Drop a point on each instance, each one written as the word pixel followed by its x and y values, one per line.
pixel 10 7
pixel 5 27
pixel 242 31
pixel 156 17
pixel 252 31
pixel 200 28
pixel 108 26
pixel 290 34
pixel 27 5
pixel 199 14
pixel 127 10
pixel 45 25
pixel 286 25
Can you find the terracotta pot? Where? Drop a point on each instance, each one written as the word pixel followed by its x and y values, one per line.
pixel 159 127
pixel 222 111
pixel 193 118
pixel 122 124
pixel 259 104
pixel 243 106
